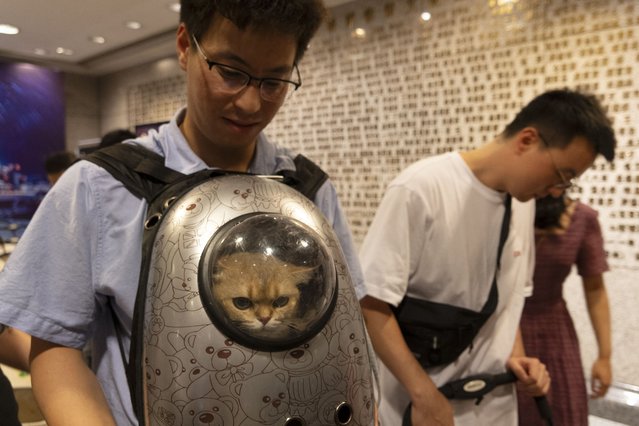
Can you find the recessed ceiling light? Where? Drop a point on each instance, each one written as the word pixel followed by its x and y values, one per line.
pixel 63 51
pixel 425 16
pixel 8 29
pixel 175 7
pixel 133 25
pixel 39 51
pixel 98 39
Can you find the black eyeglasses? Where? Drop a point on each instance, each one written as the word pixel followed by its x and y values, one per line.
pixel 230 80
pixel 565 183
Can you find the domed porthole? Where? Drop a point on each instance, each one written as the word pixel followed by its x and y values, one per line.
pixel 268 281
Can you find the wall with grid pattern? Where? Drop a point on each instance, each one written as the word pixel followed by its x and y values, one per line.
pixel 370 106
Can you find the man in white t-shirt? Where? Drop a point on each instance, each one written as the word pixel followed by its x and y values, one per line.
pixel 435 237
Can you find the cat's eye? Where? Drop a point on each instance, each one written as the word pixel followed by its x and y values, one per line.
pixel 242 303
pixel 280 302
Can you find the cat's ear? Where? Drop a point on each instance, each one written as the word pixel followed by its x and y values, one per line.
pixel 302 273
pixel 224 263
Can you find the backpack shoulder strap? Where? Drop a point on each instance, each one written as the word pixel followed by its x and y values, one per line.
pixel 140 170
pixel 307 178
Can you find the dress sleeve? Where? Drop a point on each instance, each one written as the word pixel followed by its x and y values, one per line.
pixel 591 257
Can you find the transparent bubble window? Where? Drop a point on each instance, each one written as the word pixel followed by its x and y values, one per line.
pixel 267 281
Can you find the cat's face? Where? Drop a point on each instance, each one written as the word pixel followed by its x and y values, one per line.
pixel 260 293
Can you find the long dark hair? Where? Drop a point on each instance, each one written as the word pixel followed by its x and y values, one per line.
pixel 548 211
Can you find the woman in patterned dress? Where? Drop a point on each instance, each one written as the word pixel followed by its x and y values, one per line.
pixel 567 233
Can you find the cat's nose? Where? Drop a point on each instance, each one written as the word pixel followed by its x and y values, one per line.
pixel 264 320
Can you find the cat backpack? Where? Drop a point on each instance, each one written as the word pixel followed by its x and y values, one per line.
pixel 246 313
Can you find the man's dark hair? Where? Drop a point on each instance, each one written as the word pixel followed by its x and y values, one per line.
pixel 58 162
pixel 115 136
pixel 562 115
pixel 300 18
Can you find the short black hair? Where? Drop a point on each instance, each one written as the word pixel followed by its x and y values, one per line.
pixel 115 136
pixel 59 162
pixel 562 115
pixel 300 18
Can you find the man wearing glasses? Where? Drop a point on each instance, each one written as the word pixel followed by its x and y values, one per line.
pixel 82 249
pixel 435 239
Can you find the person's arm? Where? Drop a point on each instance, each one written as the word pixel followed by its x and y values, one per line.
pixel 14 348
pixel 599 312
pixel 531 373
pixel 67 391
pixel 429 406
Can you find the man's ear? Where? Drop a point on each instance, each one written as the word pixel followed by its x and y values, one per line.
pixel 526 139
pixel 183 45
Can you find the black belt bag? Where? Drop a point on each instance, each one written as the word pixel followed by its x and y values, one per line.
pixel 438 333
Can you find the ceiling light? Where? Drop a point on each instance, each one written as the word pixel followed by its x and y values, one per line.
pixel 359 32
pixel 39 51
pixel 98 39
pixel 425 16
pixel 64 51
pixel 133 25
pixel 175 7
pixel 8 29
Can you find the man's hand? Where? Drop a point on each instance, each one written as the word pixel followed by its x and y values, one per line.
pixel 432 410
pixel 429 406
pixel 531 373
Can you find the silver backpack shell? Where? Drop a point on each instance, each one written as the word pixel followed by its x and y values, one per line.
pixel 203 366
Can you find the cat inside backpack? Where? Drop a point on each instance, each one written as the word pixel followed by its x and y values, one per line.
pixel 260 294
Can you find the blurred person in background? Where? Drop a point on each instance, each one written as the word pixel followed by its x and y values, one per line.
pixel 115 136
pixel 56 163
pixel 567 233
pixel 14 352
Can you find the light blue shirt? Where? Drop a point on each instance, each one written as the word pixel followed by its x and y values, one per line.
pixel 83 246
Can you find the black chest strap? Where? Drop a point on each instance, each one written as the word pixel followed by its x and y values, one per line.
pixel 144 174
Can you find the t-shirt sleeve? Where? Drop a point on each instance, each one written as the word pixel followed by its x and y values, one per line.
pixel 393 244
pixel 46 284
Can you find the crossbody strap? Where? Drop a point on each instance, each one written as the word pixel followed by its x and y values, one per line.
pixel 493 298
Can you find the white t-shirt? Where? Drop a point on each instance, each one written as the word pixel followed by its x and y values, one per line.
pixel 435 237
